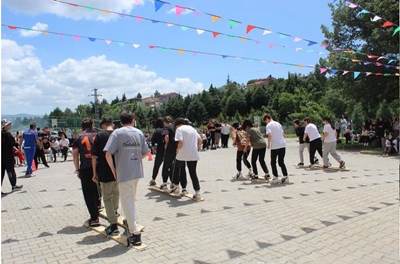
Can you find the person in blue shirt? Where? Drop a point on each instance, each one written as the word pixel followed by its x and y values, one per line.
pixel 29 141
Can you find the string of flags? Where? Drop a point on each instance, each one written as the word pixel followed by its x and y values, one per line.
pixel 200 31
pixel 194 53
pixel 376 17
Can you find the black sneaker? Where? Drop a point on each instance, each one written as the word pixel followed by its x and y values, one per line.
pixel 163 186
pixel 316 161
pixel 135 240
pixel 254 178
pixel 300 164
pixel 342 165
pixel 112 230
pixel 94 223
pixel 267 177
pixel 152 183
pixel 17 187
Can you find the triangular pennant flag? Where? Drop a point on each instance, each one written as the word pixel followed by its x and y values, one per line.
pixel 135 46
pixel 75 37
pixel 139 19
pixel 324 45
pixel 378 64
pixel 164 49
pixel 397 74
pixel 296 39
pixel 249 28
pixel 151 47
pixel 169 25
pixel 356 74
pixel 238 58
pixel 215 34
pixel 258 42
pixel 367 62
pixel 395 31
pixel 158 4
pixel 345 72
pixel 215 18
pixel 388 66
pixel 322 70
pixel 108 41
pixel 243 39
pixel 60 36
pixel 310 43
pixel 200 31
pixel 334 71
pixel 92 39
pixel 271 45
pixel 282 36
pixel 351 5
pixel 391 61
pixel 387 74
pixel 106 12
pixel 387 24
pixel 263 61
pixel 265 32
pixel 155 21
pixel 183 28
pixel 372 56
pixel 71 4
pixel 297 49
pixel 378 74
pixel 121 15
pixel 179 10
pixel 368 73
pixel 230 36
pixel 194 53
pixel 46 32
pixel 362 12
pixel 354 60
pixel 12 27
pixel 90 9
pixel 121 44
pixel 310 51
pixel 181 51
pixel 300 66
pixel 224 56
pixel 232 23
pixel 382 57
pixel 376 18
pixel 196 13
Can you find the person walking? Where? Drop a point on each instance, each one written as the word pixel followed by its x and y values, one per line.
pixel 82 157
pixel 299 130
pixel 329 139
pixel 7 156
pixel 311 131
pixel 30 140
pixel 257 141
pixel 189 142
pixel 129 147
pixel 39 153
pixel 239 141
pixel 277 144
pixel 170 151
pixel 157 141
pixel 103 175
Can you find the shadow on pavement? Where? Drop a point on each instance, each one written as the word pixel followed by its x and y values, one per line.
pixel 72 230
pixel 110 252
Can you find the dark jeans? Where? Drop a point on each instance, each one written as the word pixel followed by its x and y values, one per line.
pixel 167 169
pixel 280 154
pixel 12 176
pixel 224 140
pixel 205 144
pixel 157 163
pixel 315 145
pixel 90 192
pixel 54 152
pixel 260 155
pixel 64 153
pixel 39 154
pixel 180 173
pixel 241 155
pixel 364 139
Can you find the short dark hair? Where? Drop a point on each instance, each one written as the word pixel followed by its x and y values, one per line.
pixel 167 119
pixel 180 121
pixel 87 123
pixel 247 124
pixel 32 126
pixel 267 116
pixel 296 121
pixel 159 122
pixel 107 121
pixel 307 119
pixel 126 117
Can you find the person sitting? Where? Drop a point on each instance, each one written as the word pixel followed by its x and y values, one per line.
pixel 204 138
pixel 363 136
pixel 388 145
pixel 55 149
pixel 371 135
pixel 355 134
pixel 347 134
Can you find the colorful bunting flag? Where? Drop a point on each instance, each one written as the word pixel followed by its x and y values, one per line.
pixel 334 71
pixel 179 10
pixel 322 70
pixel 249 28
pixel 92 39
pixel 232 23
pixel 310 43
pixel 297 39
pixel 362 12
pixel 395 31
pixel 387 24
pixel 345 72
pixel 215 18
pixel 158 4
pixel 265 32
pixel 351 5
pixel 108 41
pixel 376 18
pixel 356 74
pixel 181 51
pixel 200 31
pixel 215 34
pixel 136 46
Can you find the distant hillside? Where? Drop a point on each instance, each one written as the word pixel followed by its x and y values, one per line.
pixel 22 115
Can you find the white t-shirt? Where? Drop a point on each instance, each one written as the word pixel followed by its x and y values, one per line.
pixel 189 150
pixel 225 129
pixel 275 131
pixel 331 134
pixel 64 143
pixel 312 132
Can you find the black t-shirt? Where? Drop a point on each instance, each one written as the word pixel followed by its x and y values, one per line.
pixel 172 144
pixel 84 143
pixel 7 148
pixel 158 138
pixel 218 125
pixel 300 133
pixel 212 133
pixel 103 170
pixel 46 145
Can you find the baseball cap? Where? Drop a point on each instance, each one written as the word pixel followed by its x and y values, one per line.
pixel 5 123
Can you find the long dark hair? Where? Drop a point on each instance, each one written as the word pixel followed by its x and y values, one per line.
pixel 327 119
pixel 247 124
pixel 159 122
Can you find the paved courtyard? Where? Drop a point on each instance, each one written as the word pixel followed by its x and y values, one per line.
pixel 324 217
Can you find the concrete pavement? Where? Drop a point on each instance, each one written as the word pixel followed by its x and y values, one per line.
pixel 324 217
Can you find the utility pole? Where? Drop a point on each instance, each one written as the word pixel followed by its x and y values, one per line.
pixel 96 102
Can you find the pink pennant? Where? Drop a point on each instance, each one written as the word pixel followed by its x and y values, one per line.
pixel 351 5
pixel 258 42
pixel 322 70
pixel 139 19
pixel 372 56
pixel 137 2
pixel 324 45
pixel 60 36
pixel 196 13
pixel 378 64
pixel 194 53
pixel 345 72
pixel 77 37
pixel 297 39
pixel 271 45
pixel 179 10
pixel 12 27
pixel 108 41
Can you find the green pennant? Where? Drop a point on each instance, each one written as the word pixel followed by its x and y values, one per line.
pixel 232 23
pixel 90 9
pixel 164 49
pixel 395 31
pixel 230 36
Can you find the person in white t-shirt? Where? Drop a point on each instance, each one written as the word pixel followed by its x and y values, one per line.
pixel 189 142
pixel 64 145
pixel 315 140
pixel 277 144
pixel 225 130
pixel 329 138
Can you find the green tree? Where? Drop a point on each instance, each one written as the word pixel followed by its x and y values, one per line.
pixel 236 102
pixel 358 116
pixel 259 97
pixel 139 96
pixel 196 112
pixel 384 111
pixel 56 113
pixel 157 94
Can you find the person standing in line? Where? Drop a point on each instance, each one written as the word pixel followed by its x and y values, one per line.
pixel 189 142
pixel 239 141
pixel 157 141
pixel 311 131
pixel 82 157
pixel 277 144
pixel 257 141
pixel 329 139
pixel 7 156
pixel 30 140
pixel 170 151
pixel 103 175
pixel 226 128
pixel 129 147
pixel 337 127
pixel 299 129
pixel 343 123
pixel 64 146
pixel 39 154
pixel 218 128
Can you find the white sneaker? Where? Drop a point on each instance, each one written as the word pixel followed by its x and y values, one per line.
pixel 285 179
pixel 238 174
pixel 175 189
pixel 275 180
pixel 197 196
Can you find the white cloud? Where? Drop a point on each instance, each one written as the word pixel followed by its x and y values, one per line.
pixel 37 26
pixel 76 13
pixel 184 12
pixel 28 87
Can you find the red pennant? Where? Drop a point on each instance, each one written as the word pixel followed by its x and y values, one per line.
pixel 249 28
pixel 71 4
pixel 151 47
pixel 215 34
pixel 12 27
pixel 387 24
pixel 378 74
pixel 372 56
